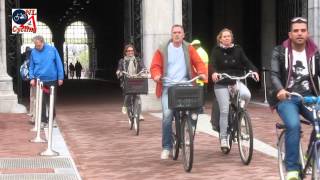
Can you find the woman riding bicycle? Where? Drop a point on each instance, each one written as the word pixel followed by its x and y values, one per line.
pixel 130 64
pixel 229 58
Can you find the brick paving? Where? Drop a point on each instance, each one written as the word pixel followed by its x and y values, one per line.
pixel 103 147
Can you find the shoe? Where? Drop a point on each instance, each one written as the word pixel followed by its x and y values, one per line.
pixel 224 144
pixel 124 110
pixel 141 117
pixel 165 154
pixel 293 175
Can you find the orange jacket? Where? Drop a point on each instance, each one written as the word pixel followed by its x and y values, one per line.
pixel 159 61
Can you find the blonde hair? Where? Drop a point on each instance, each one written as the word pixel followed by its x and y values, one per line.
pixel 220 35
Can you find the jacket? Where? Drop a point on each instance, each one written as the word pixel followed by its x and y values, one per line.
pixel 46 64
pixel 232 61
pixel 159 63
pixel 281 69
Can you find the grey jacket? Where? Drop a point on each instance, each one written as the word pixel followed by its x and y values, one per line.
pixel 281 69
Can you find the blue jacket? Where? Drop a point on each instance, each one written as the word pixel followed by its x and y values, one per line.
pixel 46 64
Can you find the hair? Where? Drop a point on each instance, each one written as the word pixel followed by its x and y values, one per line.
pixel 220 35
pixel 128 46
pixel 177 25
pixel 38 38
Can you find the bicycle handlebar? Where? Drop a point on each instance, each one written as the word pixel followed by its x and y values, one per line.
pixel 180 82
pixel 225 75
pixel 306 99
pixel 143 73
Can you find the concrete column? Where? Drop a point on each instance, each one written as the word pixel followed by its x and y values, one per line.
pixel 8 100
pixel 158 17
pixel 268 30
pixel 313 19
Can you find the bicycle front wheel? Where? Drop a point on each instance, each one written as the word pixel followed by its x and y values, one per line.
pixel 316 163
pixel 136 117
pixel 175 137
pixel 245 137
pixel 187 143
pixel 281 155
pixel 130 113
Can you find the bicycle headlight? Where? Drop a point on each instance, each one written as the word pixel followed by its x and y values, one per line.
pixel 194 116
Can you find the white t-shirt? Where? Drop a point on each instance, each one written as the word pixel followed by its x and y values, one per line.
pixel 300 80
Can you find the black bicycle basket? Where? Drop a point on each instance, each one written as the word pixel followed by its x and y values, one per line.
pixel 185 97
pixel 135 85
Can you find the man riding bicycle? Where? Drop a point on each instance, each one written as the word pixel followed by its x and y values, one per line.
pixel 176 60
pixel 297 52
pixel 130 64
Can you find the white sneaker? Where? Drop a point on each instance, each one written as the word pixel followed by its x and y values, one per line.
pixel 124 110
pixel 224 143
pixel 165 154
pixel 141 117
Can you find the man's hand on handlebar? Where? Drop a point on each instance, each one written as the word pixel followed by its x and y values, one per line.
pixel 282 94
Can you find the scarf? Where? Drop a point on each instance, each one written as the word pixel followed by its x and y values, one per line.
pixel 131 68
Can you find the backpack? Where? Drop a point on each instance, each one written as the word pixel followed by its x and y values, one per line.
pixel 24 70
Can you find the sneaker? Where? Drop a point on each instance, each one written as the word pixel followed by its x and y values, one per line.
pixel 293 175
pixel 141 117
pixel 224 143
pixel 165 154
pixel 124 110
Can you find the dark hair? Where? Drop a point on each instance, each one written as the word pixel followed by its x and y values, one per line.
pixel 298 20
pixel 128 46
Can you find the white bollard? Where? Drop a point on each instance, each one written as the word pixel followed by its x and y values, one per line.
pixel 49 151
pixel 36 108
pixel 38 138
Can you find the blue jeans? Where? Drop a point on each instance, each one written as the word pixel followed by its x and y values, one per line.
pixel 289 111
pixel 167 115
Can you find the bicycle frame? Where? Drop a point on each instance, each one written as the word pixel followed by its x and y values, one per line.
pixel 312 104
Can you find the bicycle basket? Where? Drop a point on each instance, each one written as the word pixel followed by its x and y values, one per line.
pixel 136 86
pixel 185 97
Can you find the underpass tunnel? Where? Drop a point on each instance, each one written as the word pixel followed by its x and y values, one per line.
pixel 101 41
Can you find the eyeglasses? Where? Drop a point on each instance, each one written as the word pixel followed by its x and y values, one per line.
pixel 297 19
pixel 129 50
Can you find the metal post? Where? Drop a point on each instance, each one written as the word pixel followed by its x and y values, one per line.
pixel 36 108
pixel 264 86
pixel 49 151
pixel 38 138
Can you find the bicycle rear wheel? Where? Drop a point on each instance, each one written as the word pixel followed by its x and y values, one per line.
pixel 136 113
pixel 245 137
pixel 187 143
pixel 175 137
pixel 231 128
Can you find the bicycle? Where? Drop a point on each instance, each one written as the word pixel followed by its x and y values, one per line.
pixel 185 100
pixel 239 122
pixel 134 85
pixel 310 160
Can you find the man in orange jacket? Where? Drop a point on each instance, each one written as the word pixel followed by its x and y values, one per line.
pixel 177 60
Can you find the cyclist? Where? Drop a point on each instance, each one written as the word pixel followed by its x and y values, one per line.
pixel 177 60
pixel 229 58
pixel 298 51
pixel 130 64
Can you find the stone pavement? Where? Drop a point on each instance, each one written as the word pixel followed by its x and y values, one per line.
pixel 102 146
